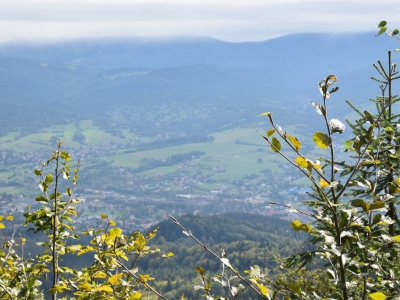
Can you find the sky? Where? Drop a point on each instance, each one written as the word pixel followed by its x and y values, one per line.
pixel 229 20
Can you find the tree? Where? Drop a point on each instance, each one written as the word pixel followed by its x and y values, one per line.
pixel 355 230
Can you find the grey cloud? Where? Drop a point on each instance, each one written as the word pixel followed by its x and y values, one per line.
pixel 234 20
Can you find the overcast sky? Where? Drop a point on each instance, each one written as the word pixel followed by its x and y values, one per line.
pixel 230 20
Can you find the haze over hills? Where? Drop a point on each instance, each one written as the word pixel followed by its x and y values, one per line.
pixel 134 77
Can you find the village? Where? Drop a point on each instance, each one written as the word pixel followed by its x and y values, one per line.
pixel 155 197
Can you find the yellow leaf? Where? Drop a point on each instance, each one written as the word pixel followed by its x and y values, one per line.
pixel 396 238
pixel 296 143
pixel 263 289
pixel 114 280
pixel 10 218
pixel 321 140
pixel 301 161
pixel 100 274
pixel 377 296
pixel 200 270
pixel 1 218
pixel 266 114
pixel 2 226
pixel 297 226
pixel 140 242
pixel 112 223
pixel 135 296
pixel 121 254
pixel 85 286
pixel 23 240
pixel 113 234
pixel 85 250
pixel 105 288
pixel 323 183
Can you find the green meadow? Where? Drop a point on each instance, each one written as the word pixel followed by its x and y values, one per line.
pixel 232 155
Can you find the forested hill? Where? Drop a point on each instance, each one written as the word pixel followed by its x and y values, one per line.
pixel 191 99
pixel 247 239
pixel 227 228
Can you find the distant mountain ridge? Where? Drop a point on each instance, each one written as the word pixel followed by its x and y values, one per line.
pixel 341 49
pixel 93 78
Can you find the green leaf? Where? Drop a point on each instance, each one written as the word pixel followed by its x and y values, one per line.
pixel 395 32
pixel 65 155
pixel 38 172
pixel 270 132
pixel 358 203
pixel 377 205
pixel 275 145
pixel 368 117
pixel 347 145
pixel 382 24
pixel 388 129
pixel 48 179
pixel 382 30
pixel 294 288
pixel 333 90
pixel 377 296
pixel 41 198
pixel 377 218
pixel 321 140
pixel 31 281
